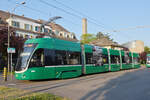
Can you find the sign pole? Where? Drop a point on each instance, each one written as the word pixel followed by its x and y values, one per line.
pixel 11 51
pixel 11 67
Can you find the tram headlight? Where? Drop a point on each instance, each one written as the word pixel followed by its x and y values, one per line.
pixel 16 75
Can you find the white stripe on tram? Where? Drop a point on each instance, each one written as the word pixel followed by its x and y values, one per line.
pixel 63 66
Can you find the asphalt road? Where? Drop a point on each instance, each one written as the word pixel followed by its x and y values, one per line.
pixel 131 84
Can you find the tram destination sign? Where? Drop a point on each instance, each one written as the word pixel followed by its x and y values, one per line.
pixel 11 50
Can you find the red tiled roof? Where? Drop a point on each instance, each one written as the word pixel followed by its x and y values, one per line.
pixel 5 15
pixel 57 27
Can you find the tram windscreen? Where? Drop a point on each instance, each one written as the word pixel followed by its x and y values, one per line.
pixel 24 56
pixel 148 58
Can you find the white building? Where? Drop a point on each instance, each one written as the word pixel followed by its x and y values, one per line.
pixel 30 28
pixel 135 46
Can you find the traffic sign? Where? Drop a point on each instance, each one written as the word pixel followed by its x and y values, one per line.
pixel 11 50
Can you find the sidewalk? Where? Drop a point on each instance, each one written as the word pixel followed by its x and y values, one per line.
pixel 10 80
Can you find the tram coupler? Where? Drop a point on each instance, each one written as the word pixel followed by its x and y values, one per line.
pixel 5 74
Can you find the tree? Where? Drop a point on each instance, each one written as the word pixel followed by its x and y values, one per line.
pixel 15 42
pixel 101 35
pixel 143 57
pixel 87 38
pixel 146 49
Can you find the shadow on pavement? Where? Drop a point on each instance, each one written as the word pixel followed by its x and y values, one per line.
pixel 130 86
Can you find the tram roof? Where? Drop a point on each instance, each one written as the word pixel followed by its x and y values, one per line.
pixel 53 43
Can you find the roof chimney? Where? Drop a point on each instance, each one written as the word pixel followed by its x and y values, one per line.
pixel 84 26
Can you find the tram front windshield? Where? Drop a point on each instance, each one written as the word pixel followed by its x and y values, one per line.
pixel 24 56
pixel 148 59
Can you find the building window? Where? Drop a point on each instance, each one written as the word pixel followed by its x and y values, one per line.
pixel 37 28
pixel 56 32
pixel 74 37
pixel 60 34
pixel 50 31
pixel 31 27
pixel 15 24
pixel 21 35
pixel 26 26
pixel 17 34
pixel 46 30
pixel 67 36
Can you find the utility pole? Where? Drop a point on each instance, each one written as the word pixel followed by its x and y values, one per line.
pixel 8 45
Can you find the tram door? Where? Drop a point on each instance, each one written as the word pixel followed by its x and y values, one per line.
pixel 127 60
pixel 97 56
pixel 37 63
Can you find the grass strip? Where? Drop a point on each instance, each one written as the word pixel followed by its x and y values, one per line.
pixel 17 94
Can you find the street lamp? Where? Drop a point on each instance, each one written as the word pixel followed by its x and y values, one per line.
pixel 10 16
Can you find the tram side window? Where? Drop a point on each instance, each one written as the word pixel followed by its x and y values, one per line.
pixel 60 57
pixel 130 59
pixel 135 60
pixel 37 59
pixel 49 57
pixel 67 58
pixel 73 58
pixel 115 59
pixel 123 59
pixel 105 59
pixel 89 57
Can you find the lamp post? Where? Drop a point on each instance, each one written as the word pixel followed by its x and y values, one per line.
pixel 10 16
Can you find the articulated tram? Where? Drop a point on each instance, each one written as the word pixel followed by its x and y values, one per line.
pixel 148 61
pixel 51 58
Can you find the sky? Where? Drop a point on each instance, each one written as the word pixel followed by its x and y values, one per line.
pixel 124 16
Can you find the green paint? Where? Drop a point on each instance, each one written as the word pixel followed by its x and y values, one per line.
pixel 51 43
pixel 126 66
pixel 135 55
pixel 105 51
pixel 88 48
pixel 91 69
pixel 49 73
pixel 148 65
pixel 114 52
pixel 122 53
pixel 62 72
pixel 115 67
pixel 148 54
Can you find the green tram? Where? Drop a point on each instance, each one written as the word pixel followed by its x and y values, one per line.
pixel 148 61
pixel 51 58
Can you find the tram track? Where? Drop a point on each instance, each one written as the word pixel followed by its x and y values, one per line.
pixel 104 77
